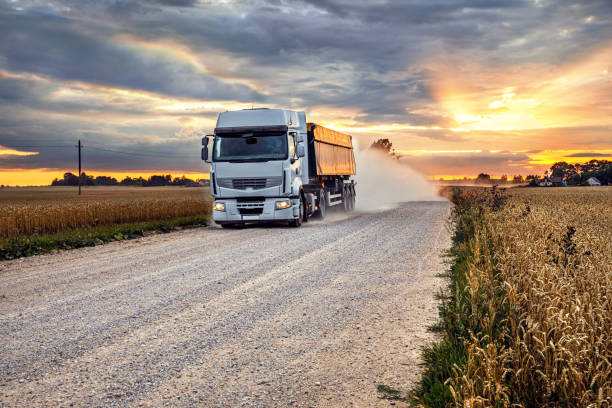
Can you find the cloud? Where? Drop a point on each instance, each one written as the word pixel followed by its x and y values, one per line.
pixel 133 144
pixel 175 3
pixel 45 94
pixel 467 163
pixel 56 47
pixel 589 154
pixel 144 74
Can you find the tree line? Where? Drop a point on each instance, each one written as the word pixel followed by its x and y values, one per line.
pixel 578 174
pixel 573 174
pixel 152 181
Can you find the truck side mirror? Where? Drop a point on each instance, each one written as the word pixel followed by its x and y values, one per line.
pixel 205 149
pixel 300 151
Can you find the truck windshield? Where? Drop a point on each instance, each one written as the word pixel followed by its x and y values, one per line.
pixel 252 147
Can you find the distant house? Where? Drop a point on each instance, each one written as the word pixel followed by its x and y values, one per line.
pixel 592 181
pixel 545 182
pixel 558 182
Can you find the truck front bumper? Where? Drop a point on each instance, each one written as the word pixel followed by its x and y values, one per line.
pixel 254 211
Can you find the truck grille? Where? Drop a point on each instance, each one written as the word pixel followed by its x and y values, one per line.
pixel 251 182
pixel 250 211
pixel 250 207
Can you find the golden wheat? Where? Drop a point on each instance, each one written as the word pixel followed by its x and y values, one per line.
pixel 24 211
pixel 553 260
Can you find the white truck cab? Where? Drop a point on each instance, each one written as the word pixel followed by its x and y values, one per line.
pixel 261 168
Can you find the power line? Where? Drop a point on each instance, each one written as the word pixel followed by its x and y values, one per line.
pixel 130 153
pixel 140 153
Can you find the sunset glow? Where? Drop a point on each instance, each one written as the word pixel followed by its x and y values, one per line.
pixel 485 89
pixel 43 177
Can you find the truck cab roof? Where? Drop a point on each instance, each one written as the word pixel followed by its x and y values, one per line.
pixel 261 117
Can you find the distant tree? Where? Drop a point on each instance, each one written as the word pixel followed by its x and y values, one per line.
pixel 87 180
pixel 504 179
pixel 600 169
pixel 532 179
pixel 182 181
pixel 384 146
pixel 517 179
pixel 577 174
pixel 483 178
pixel 157 180
pixel 563 169
pixel 105 181
pixel 68 180
pixel 128 181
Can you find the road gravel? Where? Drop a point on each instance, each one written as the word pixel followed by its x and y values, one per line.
pixel 260 316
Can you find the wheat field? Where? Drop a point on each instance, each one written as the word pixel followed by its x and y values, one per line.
pixel 549 286
pixel 45 210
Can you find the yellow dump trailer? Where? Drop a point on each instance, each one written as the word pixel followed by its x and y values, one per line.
pixel 331 152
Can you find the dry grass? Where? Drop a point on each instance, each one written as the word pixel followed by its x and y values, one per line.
pixel 543 302
pixel 47 210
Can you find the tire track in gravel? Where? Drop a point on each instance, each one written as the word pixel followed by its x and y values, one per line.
pixel 101 328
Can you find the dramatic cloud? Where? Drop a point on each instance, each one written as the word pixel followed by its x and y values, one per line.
pixel 149 76
pixel 52 46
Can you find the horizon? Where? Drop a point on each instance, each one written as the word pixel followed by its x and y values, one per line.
pixel 459 88
pixel 57 174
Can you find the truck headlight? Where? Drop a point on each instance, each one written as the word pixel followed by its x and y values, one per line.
pixel 219 206
pixel 281 205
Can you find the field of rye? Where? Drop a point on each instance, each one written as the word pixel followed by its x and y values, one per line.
pixel 528 318
pixel 49 210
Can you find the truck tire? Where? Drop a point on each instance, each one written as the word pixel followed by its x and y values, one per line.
pixel 298 221
pixel 306 208
pixel 320 214
pixel 228 226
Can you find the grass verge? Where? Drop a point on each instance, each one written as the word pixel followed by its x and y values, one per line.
pixel 20 246
pixel 527 319
pixel 463 311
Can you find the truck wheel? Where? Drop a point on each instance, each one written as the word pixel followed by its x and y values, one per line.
pixel 320 214
pixel 298 221
pixel 306 209
pixel 227 226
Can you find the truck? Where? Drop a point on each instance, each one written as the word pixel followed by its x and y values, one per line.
pixel 270 165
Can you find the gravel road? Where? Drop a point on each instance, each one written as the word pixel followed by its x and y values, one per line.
pixel 261 316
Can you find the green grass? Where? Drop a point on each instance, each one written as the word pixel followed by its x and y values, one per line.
pixel 456 310
pixel 20 246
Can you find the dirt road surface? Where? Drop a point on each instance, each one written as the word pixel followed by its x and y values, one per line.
pixel 263 316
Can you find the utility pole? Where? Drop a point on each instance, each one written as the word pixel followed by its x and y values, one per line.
pixel 79 147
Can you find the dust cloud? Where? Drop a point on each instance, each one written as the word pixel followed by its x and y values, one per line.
pixel 383 182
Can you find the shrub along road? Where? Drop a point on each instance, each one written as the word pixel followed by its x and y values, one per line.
pixel 264 316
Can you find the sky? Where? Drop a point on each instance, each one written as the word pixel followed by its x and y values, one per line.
pixel 459 87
